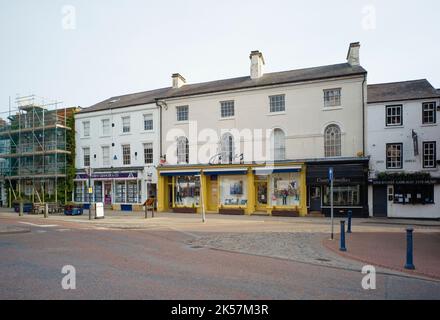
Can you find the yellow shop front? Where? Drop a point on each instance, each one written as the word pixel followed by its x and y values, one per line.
pixel 233 189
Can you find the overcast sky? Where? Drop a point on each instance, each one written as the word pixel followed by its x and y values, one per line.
pixel 82 52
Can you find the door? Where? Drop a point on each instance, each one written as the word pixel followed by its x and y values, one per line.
pixel 213 196
pixel 108 192
pixel 315 199
pixel 261 190
pixel 380 201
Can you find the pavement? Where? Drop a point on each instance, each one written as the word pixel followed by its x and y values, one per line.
pixel 389 250
pixel 176 256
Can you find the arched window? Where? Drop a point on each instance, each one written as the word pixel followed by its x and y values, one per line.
pixel 279 144
pixel 182 150
pixel 332 141
pixel 227 148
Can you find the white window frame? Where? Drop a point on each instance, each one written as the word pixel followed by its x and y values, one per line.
pixel 182 150
pixel 279 144
pixel 182 113
pixel 86 129
pixel 332 97
pixel 104 127
pixel 148 146
pixel 277 103
pixel 227 109
pixel 148 122
pixel 86 161
pixel 126 156
pixel 332 143
pixel 105 158
pixel 126 127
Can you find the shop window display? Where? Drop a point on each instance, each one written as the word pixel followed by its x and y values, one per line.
pixel 187 191
pixel 343 196
pixel 233 191
pixel 285 189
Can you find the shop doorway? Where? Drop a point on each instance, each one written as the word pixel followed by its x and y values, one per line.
pixel 261 195
pixel 380 201
pixel 108 192
pixel 315 199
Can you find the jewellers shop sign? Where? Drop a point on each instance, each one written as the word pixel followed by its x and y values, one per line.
pixel 108 175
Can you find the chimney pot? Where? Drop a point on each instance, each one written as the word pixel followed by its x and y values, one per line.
pixel 178 80
pixel 257 63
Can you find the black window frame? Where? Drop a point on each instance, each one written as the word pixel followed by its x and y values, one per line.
pixel 435 154
pixel 434 112
pixel 401 115
pixel 401 155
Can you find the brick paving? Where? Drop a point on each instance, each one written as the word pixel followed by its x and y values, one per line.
pixel 389 250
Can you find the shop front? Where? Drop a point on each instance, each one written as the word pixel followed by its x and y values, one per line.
pixel 350 187
pixel 233 189
pixel 121 190
pixel 406 196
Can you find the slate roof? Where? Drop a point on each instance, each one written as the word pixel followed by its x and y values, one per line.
pixel 268 79
pixel 401 91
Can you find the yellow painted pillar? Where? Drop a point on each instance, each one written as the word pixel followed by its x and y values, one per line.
pixel 251 193
pixel 161 192
pixel 204 181
pixel 303 195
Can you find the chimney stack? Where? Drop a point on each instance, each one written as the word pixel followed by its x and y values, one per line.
pixel 353 54
pixel 178 80
pixel 257 63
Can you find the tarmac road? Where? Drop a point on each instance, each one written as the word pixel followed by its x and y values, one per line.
pixel 157 263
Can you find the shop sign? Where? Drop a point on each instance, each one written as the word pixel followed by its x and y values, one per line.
pixel 398 182
pixel 107 175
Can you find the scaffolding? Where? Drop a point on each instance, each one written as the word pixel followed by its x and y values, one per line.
pixel 34 150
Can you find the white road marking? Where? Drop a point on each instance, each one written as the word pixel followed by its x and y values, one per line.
pixel 62 230
pixel 41 231
pixel 40 225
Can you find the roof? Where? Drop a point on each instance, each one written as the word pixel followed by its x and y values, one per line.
pixel 400 91
pixel 268 79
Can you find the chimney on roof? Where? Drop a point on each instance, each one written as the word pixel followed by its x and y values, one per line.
pixel 257 63
pixel 353 54
pixel 178 80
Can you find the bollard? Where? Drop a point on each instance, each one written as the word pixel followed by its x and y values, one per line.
pixel 349 221
pixel 409 249
pixel 342 243
pixel 46 210
pixel 20 213
pixel 146 210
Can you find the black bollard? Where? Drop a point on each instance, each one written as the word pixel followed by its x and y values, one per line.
pixel 409 249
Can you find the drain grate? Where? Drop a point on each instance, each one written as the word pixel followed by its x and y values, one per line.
pixel 323 260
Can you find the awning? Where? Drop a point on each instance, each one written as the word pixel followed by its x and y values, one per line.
pixel 173 173
pixel 225 171
pixel 269 170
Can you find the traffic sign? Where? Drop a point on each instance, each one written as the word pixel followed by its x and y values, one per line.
pixel 330 174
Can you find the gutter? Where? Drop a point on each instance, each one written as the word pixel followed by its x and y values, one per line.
pixel 363 114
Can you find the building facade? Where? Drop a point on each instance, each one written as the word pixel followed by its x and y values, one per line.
pixel 403 142
pixel 118 151
pixel 217 135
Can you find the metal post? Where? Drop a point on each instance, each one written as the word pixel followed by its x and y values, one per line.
pixel 409 249
pixel 342 244
pixel 20 213
pixel 331 206
pixel 46 210
pixel 202 200
pixel 154 205
pixel 349 221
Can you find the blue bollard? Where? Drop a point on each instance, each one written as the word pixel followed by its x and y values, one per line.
pixel 349 221
pixel 409 249
pixel 342 244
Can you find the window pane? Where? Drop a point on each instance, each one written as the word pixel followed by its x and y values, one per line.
pixel 126 124
pixel 182 150
pixel 148 122
pixel 277 103
pixel 332 98
pixel 106 127
pixel 126 156
pixel 332 141
pixel 86 127
pixel 148 153
pixel 227 109
pixel 86 152
pixel 182 113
